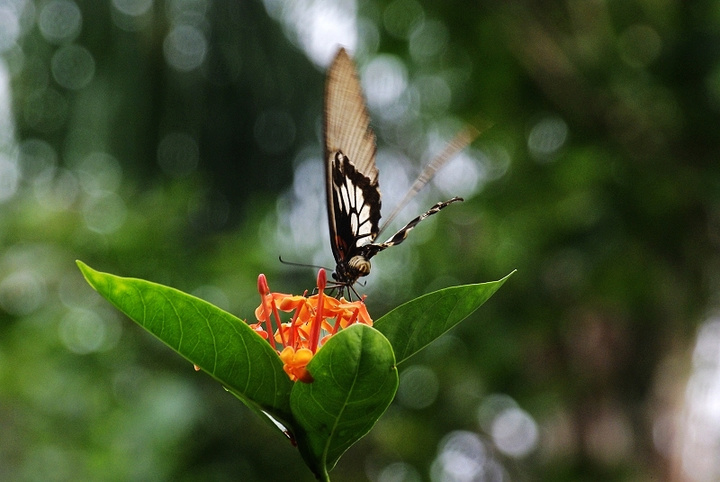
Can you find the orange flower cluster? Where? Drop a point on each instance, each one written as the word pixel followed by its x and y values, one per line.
pixel 314 320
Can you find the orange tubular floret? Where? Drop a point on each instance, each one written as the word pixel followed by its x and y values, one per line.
pixel 257 328
pixel 363 315
pixel 295 362
pixel 321 280
pixel 278 321
pixel 263 288
pixel 264 291
pixel 317 323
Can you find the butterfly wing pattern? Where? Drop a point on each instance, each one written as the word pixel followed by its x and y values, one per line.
pixel 353 194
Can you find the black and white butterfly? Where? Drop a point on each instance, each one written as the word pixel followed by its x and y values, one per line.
pixel 351 178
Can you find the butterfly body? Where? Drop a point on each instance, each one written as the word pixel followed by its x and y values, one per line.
pixel 351 177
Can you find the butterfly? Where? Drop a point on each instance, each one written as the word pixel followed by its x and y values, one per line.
pixel 351 177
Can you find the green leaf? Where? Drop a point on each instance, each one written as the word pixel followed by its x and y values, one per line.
pixel 355 379
pixel 216 341
pixel 413 325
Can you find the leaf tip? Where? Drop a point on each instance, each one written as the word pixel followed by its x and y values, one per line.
pixel 88 273
pixel 502 280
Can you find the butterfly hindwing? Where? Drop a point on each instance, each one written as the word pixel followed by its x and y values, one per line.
pixel 400 236
pixel 355 204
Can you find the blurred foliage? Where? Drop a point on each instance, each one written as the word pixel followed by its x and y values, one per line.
pixel 158 139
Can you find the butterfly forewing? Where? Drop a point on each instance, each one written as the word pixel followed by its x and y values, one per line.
pixel 347 123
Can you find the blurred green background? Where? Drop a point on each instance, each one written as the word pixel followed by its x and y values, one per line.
pixel 180 141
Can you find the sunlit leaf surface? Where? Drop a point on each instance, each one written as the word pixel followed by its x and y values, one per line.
pixel 216 341
pixel 355 380
pixel 415 324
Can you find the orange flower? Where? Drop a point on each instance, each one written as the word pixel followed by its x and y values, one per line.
pixel 294 363
pixel 257 327
pixel 314 319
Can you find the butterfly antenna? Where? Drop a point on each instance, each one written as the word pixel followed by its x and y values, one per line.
pixel 302 265
pixel 459 142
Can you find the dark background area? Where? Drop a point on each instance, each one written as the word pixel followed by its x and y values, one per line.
pixel 180 142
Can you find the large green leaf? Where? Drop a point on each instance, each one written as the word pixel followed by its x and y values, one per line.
pixel 413 325
pixel 216 341
pixel 355 379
